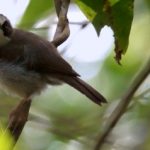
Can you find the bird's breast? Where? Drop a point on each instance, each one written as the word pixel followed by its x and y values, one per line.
pixel 3 40
pixel 16 80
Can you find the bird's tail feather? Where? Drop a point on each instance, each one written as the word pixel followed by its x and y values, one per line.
pixel 86 89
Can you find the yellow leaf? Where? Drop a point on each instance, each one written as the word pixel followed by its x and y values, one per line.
pixel 6 141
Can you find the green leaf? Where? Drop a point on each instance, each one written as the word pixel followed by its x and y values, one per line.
pixel 148 3
pixel 37 9
pixel 6 141
pixel 115 13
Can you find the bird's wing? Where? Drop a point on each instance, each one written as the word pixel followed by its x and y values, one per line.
pixel 44 59
pixel 34 53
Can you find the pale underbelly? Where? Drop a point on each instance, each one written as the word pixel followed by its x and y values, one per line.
pixel 16 80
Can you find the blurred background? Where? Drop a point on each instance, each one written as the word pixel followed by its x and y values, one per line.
pixel 63 119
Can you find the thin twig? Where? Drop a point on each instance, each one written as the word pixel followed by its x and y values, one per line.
pixel 122 106
pixel 82 24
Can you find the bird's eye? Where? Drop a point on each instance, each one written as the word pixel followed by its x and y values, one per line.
pixel 7 29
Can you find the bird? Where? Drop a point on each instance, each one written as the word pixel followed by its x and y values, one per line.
pixel 29 63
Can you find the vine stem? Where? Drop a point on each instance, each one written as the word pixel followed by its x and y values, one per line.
pixel 122 106
pixel 62 30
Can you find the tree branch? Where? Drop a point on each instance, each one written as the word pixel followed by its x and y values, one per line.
pixel 122 106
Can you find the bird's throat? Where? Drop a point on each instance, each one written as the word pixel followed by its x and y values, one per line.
pixel 3 39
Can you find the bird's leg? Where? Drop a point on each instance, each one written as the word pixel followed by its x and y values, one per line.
pixel 18 117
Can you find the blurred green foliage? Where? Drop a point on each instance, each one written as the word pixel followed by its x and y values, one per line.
pixel 6 140
pixel 35 11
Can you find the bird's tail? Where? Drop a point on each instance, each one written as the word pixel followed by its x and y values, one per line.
pixel 85 88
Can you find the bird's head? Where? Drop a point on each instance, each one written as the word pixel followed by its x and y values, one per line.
pixel 6 30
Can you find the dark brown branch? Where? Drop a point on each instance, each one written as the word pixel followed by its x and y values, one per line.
pixel 18 117
pixel 62 30
pixel 122 106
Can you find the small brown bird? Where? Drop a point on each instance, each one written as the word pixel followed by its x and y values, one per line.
pixel 28 63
